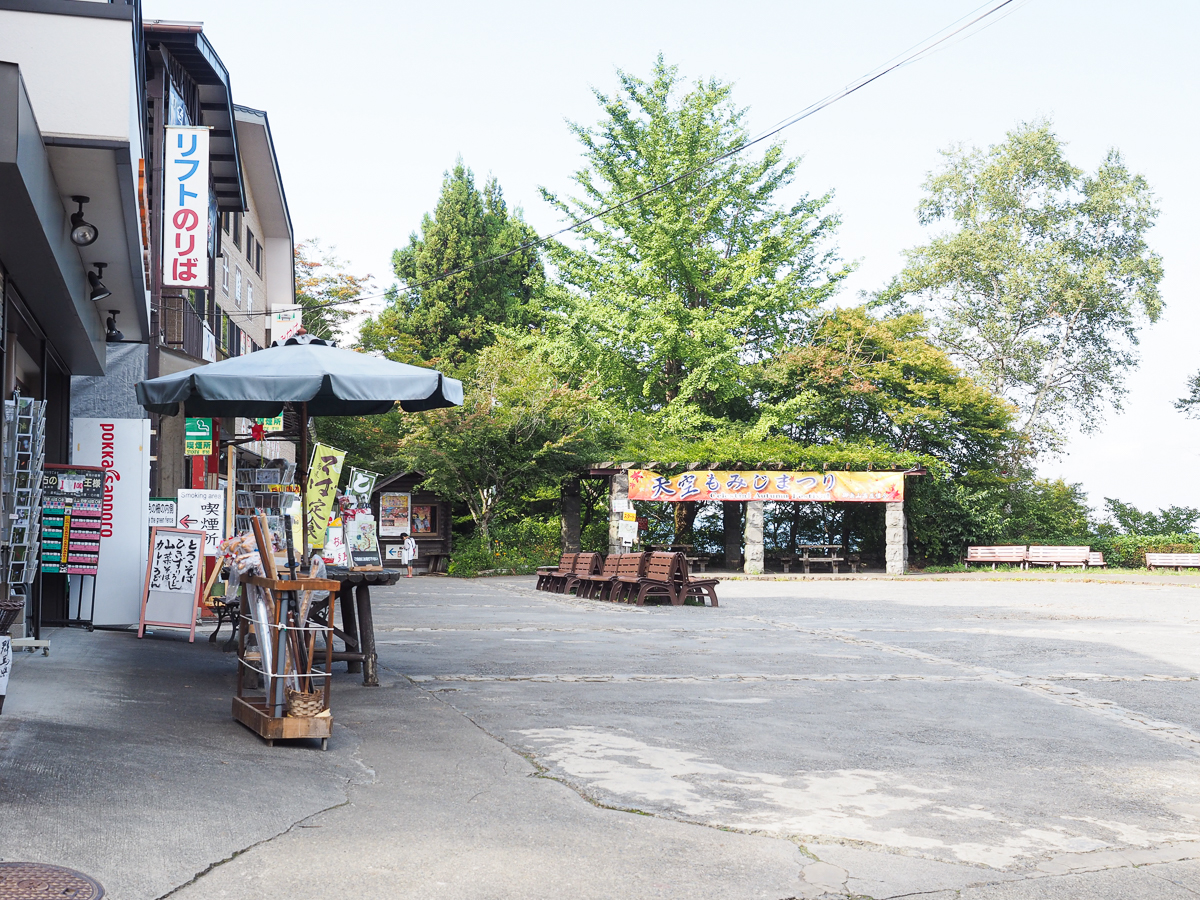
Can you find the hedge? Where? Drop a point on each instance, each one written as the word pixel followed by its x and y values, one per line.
pixel 1129 550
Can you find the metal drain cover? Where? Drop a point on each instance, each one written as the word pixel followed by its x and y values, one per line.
pixel 37 881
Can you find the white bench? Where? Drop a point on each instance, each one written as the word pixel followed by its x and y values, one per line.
pixel 1009 553
pixel 1096 559
pixel 1059 556
pixel 1177 561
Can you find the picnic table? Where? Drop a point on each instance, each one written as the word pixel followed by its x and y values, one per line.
pixel 358 625
pixel 807 557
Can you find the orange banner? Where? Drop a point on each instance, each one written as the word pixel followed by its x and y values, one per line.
pixel 860 487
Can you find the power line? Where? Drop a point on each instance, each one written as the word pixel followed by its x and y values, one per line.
pixel 914 54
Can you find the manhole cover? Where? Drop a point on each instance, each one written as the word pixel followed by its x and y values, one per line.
pixel 36 881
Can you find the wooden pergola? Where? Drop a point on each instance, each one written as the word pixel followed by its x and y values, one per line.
pixel 617 476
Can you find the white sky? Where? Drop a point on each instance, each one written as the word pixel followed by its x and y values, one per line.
pixel 370 102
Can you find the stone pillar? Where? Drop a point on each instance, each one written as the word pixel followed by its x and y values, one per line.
pixel 618 502
pixel 731 519
pixel 754 537
pixel 896 537
pixel 569 504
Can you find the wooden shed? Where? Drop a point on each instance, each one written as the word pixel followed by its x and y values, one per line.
pixel 400 505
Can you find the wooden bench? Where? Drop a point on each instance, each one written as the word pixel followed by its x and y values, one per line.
pixel 667 576
pixel 595 587
pixel 1176 561
pixel 566 563
pixel 1058 556
pixel 586 565
pixel 630 569
pixel 699 588
pixel 1005 553
pixel 1096 560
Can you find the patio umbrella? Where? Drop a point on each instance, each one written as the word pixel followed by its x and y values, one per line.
pixel 316 377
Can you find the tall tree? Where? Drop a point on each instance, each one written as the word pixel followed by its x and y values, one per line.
pixel 448 305
pixel 326 293
pixel 672 294
pixel 1042 281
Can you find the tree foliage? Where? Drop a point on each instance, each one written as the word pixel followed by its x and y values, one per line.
pixel 1171 520
pixel 1043 279
pixel 325 291
pixel 448 305
pixel 672 293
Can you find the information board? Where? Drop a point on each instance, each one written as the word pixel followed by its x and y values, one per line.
pixel 362 541
pixel 197 437
pixel 201 510
pixel 72 518
pixel 173 579
pixel 163 513
pixel 394 512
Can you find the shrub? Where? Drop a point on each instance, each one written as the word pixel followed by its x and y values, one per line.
pixel 1129 550
pixel 518 548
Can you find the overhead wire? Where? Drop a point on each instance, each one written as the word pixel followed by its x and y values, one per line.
pixel 915 53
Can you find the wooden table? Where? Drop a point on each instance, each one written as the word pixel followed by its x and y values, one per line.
pixel 808 559
pixel 358 625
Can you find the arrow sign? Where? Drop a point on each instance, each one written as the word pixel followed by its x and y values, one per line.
pixel 186 522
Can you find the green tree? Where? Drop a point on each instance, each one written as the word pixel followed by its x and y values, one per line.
pixel 858 378
pixel 1043 279
pixel 672 295
pixel 1171 520
pixel 520 427
pixel 449 306
pixel 325 291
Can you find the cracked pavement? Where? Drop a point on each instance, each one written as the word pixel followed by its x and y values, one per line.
pixel 972 740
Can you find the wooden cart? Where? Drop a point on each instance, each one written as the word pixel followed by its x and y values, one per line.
pixel 266 715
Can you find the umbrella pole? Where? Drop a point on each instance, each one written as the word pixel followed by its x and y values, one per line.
pixel 302 472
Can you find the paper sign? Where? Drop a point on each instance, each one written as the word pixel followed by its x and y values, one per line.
pixel 162 513
pixel 203 511
pixel 334 552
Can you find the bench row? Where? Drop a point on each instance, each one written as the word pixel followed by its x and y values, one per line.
pixel 627 578
pixel 1035 555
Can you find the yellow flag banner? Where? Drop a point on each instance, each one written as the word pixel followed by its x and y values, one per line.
pixel 861 487
pixel 321 491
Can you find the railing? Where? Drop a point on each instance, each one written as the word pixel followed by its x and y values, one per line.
pixel 183 329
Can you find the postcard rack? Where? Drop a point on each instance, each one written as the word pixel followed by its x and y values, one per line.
pixel 286 660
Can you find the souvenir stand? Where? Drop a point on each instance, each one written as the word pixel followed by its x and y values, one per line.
pixel 20 522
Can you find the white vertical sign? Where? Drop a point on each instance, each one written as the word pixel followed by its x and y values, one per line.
pixel 201 510
pixel 122 448
pixel 185 208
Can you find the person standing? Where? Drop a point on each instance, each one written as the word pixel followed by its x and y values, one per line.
pixel 408 552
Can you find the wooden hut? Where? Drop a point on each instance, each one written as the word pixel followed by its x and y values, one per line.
pixel 401 505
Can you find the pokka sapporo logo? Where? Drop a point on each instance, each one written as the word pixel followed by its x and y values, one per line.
pixel 108 462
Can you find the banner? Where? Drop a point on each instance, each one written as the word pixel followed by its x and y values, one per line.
pixel 843 487
pixel 321 490
pixel 361 484
pixel 185 208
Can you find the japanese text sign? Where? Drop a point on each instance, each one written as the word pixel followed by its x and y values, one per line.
pixel 361 484
pixel 204 511
pixel 321 490
pixel 197 437
pixel 185 208
pixel 162 512
pixel 174 562
pixel 843 487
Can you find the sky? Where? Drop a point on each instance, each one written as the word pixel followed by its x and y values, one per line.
pixel 371 102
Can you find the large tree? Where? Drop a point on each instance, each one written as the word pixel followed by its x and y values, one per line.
pixel 1042 279
pixel 448 304
pixel 326 292
pixel 673 293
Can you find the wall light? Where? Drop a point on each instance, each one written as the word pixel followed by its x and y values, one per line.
pixel 82 233
pixel 99 291
pixel 112 335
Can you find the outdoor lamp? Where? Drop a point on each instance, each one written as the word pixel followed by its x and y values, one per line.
pixel 112 335
pixel 82 233
pixel 99 291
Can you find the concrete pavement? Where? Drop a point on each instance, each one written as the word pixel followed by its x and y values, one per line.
pixel 868 738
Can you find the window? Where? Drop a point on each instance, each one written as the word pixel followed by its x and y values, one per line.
pixel 224 273
pixel 258 258
pixel 236 229
pixel 225 222
pixel 249 246
pixel 249 296
pixel 237 286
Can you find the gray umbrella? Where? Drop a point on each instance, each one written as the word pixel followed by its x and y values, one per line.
pixel 330 380
pixel 317 378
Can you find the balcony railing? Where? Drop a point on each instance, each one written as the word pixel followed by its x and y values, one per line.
pixel 183 329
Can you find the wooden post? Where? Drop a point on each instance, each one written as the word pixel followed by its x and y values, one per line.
pixel 302 478
pixel 230 490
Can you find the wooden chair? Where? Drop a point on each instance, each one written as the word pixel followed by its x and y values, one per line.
pixel 665 576
pixel 699 588
pixel 595 587
pixel 566 563
pixel 586 565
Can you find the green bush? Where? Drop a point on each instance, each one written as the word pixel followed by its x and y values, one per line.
pixel 1129 550
pixel 518 548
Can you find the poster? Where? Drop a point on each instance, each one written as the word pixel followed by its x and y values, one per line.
pixel 197 437
pixel 334 552
pixel 423 520
pixel 321 490
pixel 362 542
pixel 203 511
pixel 866 487
pixel 394 514
pixel 122 448
pixel 174 563
pixel 185 207
pixel 162 513
pixel 72 511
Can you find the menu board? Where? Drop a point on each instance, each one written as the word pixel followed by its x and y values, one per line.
pixel 72 518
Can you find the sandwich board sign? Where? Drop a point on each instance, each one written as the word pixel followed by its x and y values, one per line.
pixel 173 579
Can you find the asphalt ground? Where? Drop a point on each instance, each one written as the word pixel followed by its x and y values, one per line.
pixel 974 739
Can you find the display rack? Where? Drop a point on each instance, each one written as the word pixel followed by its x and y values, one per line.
pixel 72 513
pixel 20 502
pixel 283 657
pixel 265 491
